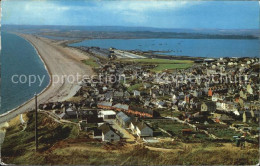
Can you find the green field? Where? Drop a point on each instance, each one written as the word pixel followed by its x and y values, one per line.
pixel 91 62
pixel 134 87
pixel 164 64
pixel 163 61
pixel 162 67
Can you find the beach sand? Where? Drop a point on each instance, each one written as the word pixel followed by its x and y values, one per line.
pixel 59 60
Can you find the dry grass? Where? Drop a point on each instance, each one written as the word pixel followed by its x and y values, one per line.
pixel 80 150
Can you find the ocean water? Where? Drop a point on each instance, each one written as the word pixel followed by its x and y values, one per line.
pixel 19 59
pixel 186 47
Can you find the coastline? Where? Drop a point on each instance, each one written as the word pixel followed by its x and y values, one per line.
pixel 48 86
pixel 51 91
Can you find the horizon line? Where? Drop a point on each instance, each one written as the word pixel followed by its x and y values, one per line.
pixel 130 27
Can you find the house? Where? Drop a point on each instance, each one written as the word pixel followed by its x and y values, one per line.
pixel 107 114
pixel 123 119
pixel 230 106
pixel 118 94
pixel 108 96
pixel 249 89
pixel 256 115
pixel 208 106
pixel 121 107
pixel 105 105
pixel 215 97
pixel 247 116
pixel 142 112
pixel 160 104
pixel 210 92
pixel 97 133
pixel 141 129
pixel 181 96
pixel 136 93
pixel 108 133
pixel 71 113
pixel 181 105
pixel 63 115
pixel 147 85
pixel 127 94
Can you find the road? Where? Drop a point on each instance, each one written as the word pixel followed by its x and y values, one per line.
pixel 129 137
pixel 125 54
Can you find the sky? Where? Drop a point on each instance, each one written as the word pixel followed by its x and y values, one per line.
pixel 160 14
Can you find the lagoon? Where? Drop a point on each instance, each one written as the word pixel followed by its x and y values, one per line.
pixel 213 48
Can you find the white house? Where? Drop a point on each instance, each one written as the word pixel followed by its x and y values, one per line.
pixel 108 133
pixel 136 93
pixel 107 114
pixel 141 129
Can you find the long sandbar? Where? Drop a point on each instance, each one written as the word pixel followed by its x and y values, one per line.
pixel 59 61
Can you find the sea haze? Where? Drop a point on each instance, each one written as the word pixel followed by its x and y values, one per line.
pixel 183 47
pixel 18 57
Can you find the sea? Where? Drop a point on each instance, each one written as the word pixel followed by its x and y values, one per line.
pixel 19 59
pixel 211 48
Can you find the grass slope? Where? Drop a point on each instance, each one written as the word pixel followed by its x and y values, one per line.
pixel 19 145
pixel 60 144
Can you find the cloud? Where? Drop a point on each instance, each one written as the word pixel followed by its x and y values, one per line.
pixel 33 12
pixel 161 13
pixel 55 12
pixel 136 12
pixel 140 6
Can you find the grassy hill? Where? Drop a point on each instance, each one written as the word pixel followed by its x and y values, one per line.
pixel 62 144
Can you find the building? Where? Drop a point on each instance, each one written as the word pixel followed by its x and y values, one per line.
pixel 108 133
pixel 208 107
pixel 141 112
pixel 105 105
pixel 107 114
pixel 141 129
pixel 71 113
pixel 121 107
pixel 123 119
pixel 136 93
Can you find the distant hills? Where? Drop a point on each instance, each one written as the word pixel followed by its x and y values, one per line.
pixel 133 32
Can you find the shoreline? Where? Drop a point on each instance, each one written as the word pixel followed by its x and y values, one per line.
pixel 51 91
pixel 31 99
pixel 46 88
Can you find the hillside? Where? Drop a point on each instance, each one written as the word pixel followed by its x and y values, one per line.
pixel 61 144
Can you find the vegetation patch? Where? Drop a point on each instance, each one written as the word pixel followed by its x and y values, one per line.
pixel 162 64
pixel 134 87
pixel 19 145
pixel 91 62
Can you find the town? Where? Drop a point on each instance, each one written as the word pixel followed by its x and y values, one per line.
pixel 211 100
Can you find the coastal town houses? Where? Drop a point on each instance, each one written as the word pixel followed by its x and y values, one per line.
pixel 72 113
pixel 140 128
pixel 195 103
pixel 107 114
pixel 105 105
pixel 106 133
pixel 123 120
pixel 208 106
